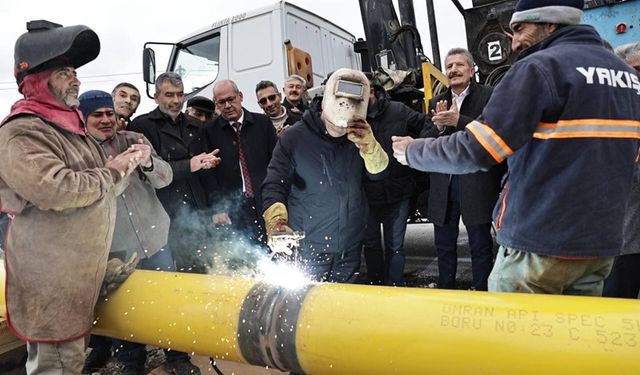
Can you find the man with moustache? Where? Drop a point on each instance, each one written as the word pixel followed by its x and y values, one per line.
pixel 294 89
pixel 57 191
pixel 469 196
pixel 127 99
pixel 245 140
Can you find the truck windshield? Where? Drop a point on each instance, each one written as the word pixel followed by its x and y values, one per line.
pixel 197 62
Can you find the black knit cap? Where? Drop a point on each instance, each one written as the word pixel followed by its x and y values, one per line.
pixel 93 100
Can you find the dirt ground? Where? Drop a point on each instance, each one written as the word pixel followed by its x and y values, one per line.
pixel 155 360
pixel 12 363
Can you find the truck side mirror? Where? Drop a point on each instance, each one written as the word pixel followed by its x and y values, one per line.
pixel 149 65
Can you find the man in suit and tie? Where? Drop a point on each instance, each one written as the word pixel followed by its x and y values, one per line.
pixel 245 140
pixel 471 196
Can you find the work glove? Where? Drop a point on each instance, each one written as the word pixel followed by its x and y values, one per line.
pixel 117 272
pixel 359 132
pixel 276 222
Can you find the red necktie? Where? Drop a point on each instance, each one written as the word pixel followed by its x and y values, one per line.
pixel 243 162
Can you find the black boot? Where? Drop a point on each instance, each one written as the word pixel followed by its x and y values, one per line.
pixel 97 359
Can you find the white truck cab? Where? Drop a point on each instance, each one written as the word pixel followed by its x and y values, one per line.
pixel 269 43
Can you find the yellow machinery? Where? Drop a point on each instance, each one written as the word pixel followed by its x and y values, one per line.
pixel 435 82
pixel 359 329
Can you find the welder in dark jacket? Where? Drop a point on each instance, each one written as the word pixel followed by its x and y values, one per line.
pixel 314 179
pixel 389 199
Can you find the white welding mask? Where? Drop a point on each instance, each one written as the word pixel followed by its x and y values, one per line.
pixel 346 95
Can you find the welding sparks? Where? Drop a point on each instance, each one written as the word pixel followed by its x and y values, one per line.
pixel 281 274
pixel 285 243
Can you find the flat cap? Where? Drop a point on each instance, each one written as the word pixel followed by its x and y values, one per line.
pixel 200 102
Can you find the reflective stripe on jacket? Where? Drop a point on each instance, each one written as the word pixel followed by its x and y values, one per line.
pixel 566 117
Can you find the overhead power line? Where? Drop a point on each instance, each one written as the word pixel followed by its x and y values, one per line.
pixel 112 75
pixel 85 77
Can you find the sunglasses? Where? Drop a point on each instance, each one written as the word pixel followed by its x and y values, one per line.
pixel 269 98
pixel 637 68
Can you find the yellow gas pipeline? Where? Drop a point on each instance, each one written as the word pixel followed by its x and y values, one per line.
pixel 357 329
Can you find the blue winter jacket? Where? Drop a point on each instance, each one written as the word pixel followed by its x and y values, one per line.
pixel 567 117
pixel 320 180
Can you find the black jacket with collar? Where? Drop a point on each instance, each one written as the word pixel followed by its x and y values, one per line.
pixel 478 191
pixel 319 178
pixel 258 137
pixel 292 117
pixel 176 146
pixel 388 118
pixel 299 108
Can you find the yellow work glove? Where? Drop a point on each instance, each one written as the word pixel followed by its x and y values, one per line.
pixel 359 132
pixel 276 219
pixel 279 235
pixel 117 272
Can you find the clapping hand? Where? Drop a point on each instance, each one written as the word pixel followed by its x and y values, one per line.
pixel 442 116
pixel 205 160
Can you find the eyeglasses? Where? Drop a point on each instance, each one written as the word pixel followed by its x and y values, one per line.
pixel 269 98
pixel 223 102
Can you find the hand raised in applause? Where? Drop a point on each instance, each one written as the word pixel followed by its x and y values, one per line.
pixel 205 160
pixel 121 123
pixel 125 162
pixel 442 116
pixel 281 129
pixel 145 150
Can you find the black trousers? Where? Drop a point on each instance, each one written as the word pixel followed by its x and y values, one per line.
pixel 446 241
pixel 624 279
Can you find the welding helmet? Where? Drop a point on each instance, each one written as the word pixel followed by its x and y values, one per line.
pixel 47 44
pixel 346 95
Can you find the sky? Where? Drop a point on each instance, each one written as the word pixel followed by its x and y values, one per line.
pixel 123 27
